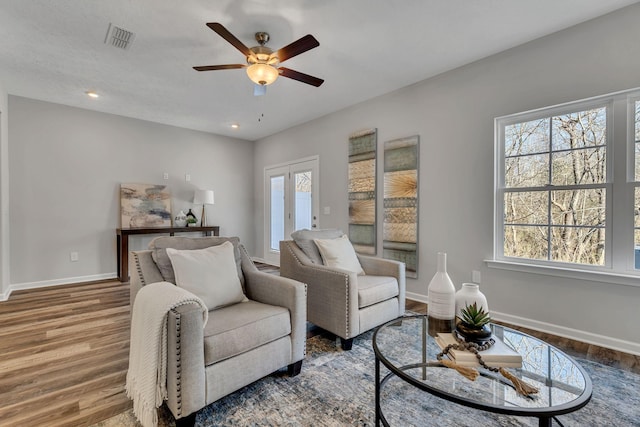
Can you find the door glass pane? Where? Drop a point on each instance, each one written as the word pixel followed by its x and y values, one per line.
pixel 277 212
pixel 637 141
pixel 303 210
pixel 636 246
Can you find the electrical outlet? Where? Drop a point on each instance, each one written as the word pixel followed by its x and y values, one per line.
pixel 187 177
pixel 165 175
pixel 327 210
pixel 475 276
pixel 74 256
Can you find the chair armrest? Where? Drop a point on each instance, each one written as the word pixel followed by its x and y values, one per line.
pixel 186 392
pixel 386 267
pixel 145 271
pixel 281 291
pixel 332 294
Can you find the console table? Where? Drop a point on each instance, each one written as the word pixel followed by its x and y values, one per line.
pixel 122 237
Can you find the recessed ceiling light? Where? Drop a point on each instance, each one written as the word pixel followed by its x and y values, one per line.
pixel 235 126
pixel 92 94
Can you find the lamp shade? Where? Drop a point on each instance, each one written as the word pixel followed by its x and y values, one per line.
pixel 262 74
pixel 203 197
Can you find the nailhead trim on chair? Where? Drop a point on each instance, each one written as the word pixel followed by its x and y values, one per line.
pixel 346 289
pixel 346 284
pixel 139 268
pixel 178 364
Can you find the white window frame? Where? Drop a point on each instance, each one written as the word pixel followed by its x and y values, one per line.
pixel 620 185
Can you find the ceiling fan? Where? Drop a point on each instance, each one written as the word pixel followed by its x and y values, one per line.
pixel 262 62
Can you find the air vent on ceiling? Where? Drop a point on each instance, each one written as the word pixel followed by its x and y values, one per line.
pixel 119 37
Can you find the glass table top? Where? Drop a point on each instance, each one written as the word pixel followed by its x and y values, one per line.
pixel 406 349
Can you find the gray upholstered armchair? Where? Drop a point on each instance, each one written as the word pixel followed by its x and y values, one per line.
pixel 240 343
pixel 341 301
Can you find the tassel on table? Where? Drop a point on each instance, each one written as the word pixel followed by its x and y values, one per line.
pixel 467 372
pixel 521 387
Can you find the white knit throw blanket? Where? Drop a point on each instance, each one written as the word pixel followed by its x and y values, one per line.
pixel 147 375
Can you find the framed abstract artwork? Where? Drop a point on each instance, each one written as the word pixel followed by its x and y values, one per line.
pixel 400 225
pixel 145 205
pixel 362 191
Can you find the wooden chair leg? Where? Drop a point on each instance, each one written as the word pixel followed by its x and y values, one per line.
pixel 295 368
pixel 346 343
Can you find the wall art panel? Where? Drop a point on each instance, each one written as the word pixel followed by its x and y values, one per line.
pixel 362 191
pixel 145 205
pixel 400 224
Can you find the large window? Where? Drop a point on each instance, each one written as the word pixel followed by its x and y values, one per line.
pixel 555 186
pixel 636 209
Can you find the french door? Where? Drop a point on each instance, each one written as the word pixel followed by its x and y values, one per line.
pixel 291 203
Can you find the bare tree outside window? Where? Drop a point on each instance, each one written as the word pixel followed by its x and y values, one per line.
pixel 636 210
pixel 554 188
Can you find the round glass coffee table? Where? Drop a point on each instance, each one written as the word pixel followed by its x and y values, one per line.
pixel 405 348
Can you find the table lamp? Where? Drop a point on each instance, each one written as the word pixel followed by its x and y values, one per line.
pixel 203 197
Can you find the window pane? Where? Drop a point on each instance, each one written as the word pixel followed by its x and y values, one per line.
pixel 636 212
pixel 636 209
pixel 527 207
pixel 525 242
pixel 637 250
pixel 586 166
pixel 303 209
pixel 581 129
pixel 277 212
pixel 578 245
pixel 527 138
pixel 527 171
pixel 637 140
pixel 578 207
pixel 637 160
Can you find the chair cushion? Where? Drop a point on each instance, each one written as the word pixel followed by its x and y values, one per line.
pixel 208 273
pixel 304 240
pixel 374 289
pixel 159 246
pixel 238 328
pixel 339 253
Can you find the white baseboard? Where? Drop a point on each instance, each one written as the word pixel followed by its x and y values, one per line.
pixel 416 297
pixel 561 331
pixel 56 282
pixel 574 334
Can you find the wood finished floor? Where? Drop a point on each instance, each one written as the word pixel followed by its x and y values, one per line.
pixel 64 354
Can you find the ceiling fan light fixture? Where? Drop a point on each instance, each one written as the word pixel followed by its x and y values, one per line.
pixel 262 74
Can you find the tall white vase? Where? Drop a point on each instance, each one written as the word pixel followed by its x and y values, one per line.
pixel 441 307
pixel 468 294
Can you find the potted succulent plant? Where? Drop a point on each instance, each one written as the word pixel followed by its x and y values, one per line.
pixel 473 324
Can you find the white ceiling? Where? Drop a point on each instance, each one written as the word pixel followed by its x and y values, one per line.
pixel 54 50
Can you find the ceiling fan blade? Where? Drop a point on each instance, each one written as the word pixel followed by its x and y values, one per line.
pixel 301 77
pixel 218 67
pixel 299 46
pixel 225 34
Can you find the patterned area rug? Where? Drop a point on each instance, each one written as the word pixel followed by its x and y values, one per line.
pixel 336 388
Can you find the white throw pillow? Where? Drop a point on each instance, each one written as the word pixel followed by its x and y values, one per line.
pixel 339 253
pixel 208 273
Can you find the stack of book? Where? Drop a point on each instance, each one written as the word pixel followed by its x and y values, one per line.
pixel 498 355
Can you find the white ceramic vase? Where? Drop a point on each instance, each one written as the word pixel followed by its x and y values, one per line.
pixel 441 308
pixel 180 220
pixel 468 294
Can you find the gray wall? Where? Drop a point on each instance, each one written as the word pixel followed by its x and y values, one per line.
pixel 66 168
pixel 453 113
